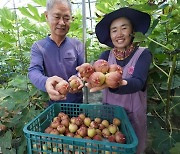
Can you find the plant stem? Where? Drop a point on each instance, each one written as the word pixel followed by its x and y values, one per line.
pixel 159 115
pixel 160 68
pixel 158 43
pixel 39 106
pixel 170 127
pixel 169 83
pixel 174 106
pixel 158 94
pixel 174 29
pixel 175 96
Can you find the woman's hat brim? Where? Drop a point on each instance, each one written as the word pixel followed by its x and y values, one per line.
pixel 140 20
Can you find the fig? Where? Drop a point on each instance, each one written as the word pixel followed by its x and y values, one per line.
pixel 101 126
pixel 87 121
pixel 101 66
pixel 115 67
pixel 91 132
pixel 56 119
pixel 48 129
pixel 54 131
pixel 70 134
pixel 85 70
pixel 55 124
pixel 65 116
pixel 112 128
pixel 113 79
pixel 77 136
pixel 94 124
pixel 97 137
pixel 116 121
pixel 105 123
pixel 111 138
pixel 97 79
pixel 61 114
pixel 73 127
pixel 120 138
pixel 98 131
pixel 82 131
pixel 74 84
pixel 61 128
pixel 98 120
pixel 62 87
pixel 106 133
pixel 65 122
pixel 73 120
pixel 78 121
pixel 82 116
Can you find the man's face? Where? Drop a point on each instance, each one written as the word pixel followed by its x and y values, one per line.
pixel 59 18
pixel 120 32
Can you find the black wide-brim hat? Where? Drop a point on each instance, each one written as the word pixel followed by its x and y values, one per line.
pixel 140 21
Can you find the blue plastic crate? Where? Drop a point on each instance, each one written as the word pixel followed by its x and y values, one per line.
pixel 39 142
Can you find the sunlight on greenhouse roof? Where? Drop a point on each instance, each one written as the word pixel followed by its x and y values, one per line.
pixel 18 3
pixel 76 4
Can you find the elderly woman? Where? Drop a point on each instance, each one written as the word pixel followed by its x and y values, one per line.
pixel 116 30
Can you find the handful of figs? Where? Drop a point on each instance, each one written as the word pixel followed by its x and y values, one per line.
pixel 71 85
pixel 101 72
pixel 96 74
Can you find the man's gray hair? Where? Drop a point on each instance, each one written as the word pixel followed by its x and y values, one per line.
pixel 50 4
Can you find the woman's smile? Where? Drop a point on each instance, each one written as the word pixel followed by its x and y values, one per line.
pixel 120 31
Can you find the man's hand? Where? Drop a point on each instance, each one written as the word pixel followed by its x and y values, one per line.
pixel 77 85
pixel 50 88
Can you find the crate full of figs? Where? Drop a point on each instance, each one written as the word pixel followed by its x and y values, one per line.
pixel 82 129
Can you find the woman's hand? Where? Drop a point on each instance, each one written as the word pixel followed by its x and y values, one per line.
pixel 94 89
pixel 75 86
pixel 50 88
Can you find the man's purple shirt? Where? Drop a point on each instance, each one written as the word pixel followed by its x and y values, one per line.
pixel 47 59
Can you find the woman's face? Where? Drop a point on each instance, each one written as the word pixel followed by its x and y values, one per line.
pixel 120 33
pixel 59 18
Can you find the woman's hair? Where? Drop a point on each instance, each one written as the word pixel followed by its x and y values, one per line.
pixel 50 4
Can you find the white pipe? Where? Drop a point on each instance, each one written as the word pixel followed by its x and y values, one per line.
pixel 84 43
pixel 84 26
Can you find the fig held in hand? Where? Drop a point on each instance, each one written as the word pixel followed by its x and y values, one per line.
pixel 97 79
pixel 101 66
pixel 115 67
pixel 86 70
pixel 74 84
pixel 62 87
pixel 113 79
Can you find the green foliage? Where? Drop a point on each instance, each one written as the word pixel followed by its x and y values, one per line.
pixel 175 149
pixel 20 101
pixel 32 12
pixel 76 28
pixel 161 140
pixel 40 2
pixel 6 146
pixel 18 105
